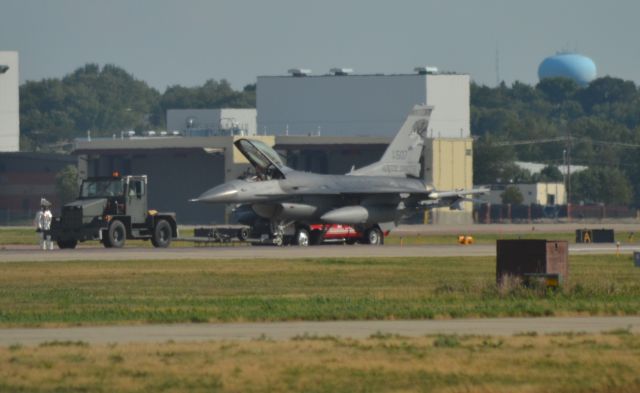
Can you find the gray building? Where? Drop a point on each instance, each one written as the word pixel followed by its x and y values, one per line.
pixel 342 104
pixel 212 122
pixel 9 102
pixel 24 179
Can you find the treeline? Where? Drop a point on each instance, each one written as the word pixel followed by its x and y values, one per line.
pixel 107 100
pixel 552 122
pixel 557 121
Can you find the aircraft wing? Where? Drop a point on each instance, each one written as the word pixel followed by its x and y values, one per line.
pixel 426 199
pixel 457 193
pixel 358 191
pixel 453 199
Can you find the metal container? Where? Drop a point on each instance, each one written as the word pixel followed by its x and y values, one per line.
pixel 523 258
pixel 595 236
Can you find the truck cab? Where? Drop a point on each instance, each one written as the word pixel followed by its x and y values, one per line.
pixel 112 209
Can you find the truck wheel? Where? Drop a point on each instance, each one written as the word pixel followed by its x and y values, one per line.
pixel 116 235
pixel 302 237
pixel 105 240
pixel 374 237
pixel 161 234
pixel 62 244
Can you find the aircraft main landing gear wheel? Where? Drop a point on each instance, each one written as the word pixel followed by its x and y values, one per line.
pixel 374 237
pixel 302 237
pixel 315 238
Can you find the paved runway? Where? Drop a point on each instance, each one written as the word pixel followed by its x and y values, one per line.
pixel 33 254
pixel 288 330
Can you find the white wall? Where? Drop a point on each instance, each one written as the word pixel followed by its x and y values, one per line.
pixel 212 118
pixel 449 95
pixel 9 103
pixel 352 105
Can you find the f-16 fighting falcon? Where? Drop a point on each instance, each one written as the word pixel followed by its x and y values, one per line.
pixel 280 203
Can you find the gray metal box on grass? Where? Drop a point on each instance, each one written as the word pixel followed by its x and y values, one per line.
pixel 532 258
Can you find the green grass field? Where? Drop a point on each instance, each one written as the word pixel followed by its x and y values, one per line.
pixel 71 293
pixel 570 363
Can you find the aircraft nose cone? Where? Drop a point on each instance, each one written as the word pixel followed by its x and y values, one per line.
pixel 220 194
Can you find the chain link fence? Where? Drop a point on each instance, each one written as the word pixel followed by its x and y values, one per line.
pixel 486 213
pixel 17 217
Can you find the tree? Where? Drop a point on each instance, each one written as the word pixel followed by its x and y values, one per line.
pixel 104 100
pixel 512 195
pixel 601 185
pixel 495 164
pixel 548 174
pixel 212 94
pixel 67 184
pixel 607 90
pixel 558 90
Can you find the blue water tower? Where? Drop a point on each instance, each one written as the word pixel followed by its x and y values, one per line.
pixel 569 65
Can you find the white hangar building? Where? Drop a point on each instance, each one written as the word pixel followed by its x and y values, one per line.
pixel 344 104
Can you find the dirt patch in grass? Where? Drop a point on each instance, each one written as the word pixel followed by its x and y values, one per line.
pixel 559 363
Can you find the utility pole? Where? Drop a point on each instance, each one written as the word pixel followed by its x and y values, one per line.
pixel 568 174
pixel 498 80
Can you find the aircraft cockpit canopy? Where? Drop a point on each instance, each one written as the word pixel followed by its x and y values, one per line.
pixel 264 159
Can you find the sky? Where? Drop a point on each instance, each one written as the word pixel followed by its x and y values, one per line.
pixel 186 42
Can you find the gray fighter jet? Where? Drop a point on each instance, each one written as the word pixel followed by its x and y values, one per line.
pixel 281 204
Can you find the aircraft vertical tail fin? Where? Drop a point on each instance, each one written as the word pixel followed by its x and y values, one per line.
pixel 402 157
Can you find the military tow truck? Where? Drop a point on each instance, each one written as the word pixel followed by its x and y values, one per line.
pixel 111 210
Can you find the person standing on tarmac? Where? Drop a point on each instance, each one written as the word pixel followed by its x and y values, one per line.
pixel 43 224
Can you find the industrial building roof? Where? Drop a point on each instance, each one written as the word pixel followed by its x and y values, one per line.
pixel 361 75
pixel 86 146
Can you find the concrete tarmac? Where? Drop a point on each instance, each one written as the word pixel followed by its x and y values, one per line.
pixel 33 254
pixel 15 253
pixel 288 330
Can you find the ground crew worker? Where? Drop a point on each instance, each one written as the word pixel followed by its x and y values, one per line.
pixel 43 224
